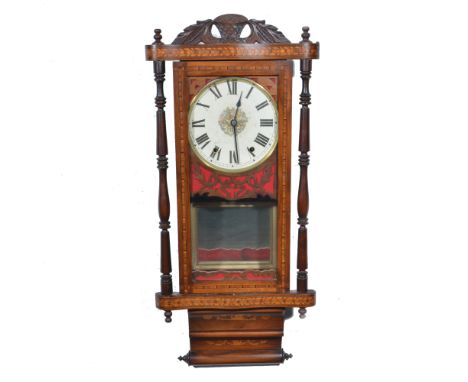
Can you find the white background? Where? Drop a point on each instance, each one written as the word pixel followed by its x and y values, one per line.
pixel 79 260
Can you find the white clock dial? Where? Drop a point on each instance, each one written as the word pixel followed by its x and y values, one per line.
pixel 233 124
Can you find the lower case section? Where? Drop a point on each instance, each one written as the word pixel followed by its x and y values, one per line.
pixel 240 337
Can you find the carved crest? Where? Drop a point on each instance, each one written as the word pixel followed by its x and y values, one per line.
pixel 230 28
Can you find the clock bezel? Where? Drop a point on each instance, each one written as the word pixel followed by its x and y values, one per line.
pixel 213 166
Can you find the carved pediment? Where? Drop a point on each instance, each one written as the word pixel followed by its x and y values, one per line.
pixel 230 28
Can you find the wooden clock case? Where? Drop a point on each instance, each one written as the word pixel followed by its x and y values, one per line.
pixel 241 321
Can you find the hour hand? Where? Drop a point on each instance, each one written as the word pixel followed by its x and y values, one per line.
pixel 238 104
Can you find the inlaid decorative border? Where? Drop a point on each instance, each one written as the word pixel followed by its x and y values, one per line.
pixel 178 301
pixel 232 51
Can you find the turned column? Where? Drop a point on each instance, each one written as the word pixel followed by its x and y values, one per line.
pixel 163 197
pixel 303 193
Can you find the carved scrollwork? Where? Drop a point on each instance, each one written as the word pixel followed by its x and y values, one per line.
pixel 230 29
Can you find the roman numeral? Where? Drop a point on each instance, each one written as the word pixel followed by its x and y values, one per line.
pixel 214 89
pixel 200 123
pixel 233 157
pixel 250 91
pixel 261 139
pixel 266 122
pixel 232 86
pixel 215 153
pixel 203 138
pixel 262 105
pixel 203 105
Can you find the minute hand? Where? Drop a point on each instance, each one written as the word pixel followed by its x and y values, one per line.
pixel 234 128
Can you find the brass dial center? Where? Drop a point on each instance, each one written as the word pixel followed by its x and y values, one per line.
pixel 227 122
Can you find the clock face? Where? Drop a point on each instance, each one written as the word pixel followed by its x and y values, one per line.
pixel 233 124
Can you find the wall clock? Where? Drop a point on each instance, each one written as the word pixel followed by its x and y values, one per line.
pixel 233 104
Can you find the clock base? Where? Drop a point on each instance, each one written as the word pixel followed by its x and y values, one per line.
pixel 235 301
pixel 236 338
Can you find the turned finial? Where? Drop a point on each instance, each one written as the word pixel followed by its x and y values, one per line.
pixel 157 36
pixel 302 312
pixel 305 34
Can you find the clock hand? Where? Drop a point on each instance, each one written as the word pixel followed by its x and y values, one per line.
pixel 236 159
pixel 234 128
pixel 238 105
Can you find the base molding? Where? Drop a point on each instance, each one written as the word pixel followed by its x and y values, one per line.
pixel 235 301
pixel 233 338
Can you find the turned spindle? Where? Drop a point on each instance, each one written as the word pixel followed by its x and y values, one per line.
pixel 163 198
pixel 303 193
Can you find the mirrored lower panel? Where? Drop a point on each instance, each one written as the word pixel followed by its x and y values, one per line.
pixel 233 236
